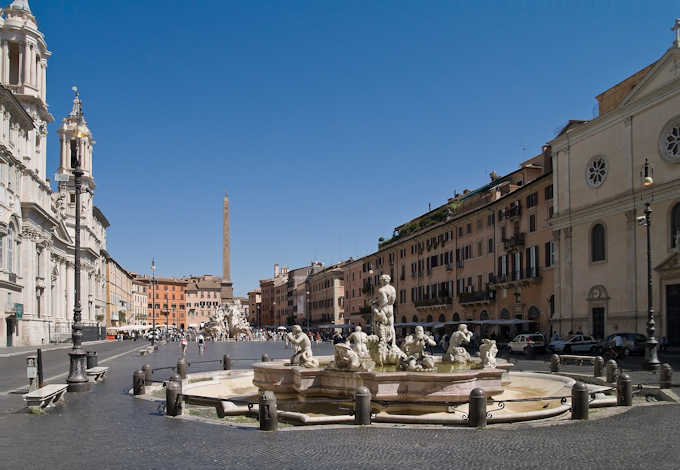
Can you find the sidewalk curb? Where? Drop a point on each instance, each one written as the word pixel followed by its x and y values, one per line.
pixel 54 348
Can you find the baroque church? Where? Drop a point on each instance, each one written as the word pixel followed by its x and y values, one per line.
pixel 37 224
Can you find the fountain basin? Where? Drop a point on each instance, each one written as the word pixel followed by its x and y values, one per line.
pixel 388 386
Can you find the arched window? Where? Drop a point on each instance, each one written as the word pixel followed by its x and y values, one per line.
pixel 484 315
pixel 429 318
pixel 442 318
pixel 505 314
pixel 403 319
pixel 534 313
pixel 456 317
pixel 597 243
pixel 415 318
pixel 675 226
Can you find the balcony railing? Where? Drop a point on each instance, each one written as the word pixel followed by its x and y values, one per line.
pixel 515 241
pixel 433 302
pixel 483 296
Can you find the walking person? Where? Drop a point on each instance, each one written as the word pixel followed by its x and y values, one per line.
pixel 183 344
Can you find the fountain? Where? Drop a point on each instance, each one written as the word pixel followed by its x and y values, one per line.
pixel 392 374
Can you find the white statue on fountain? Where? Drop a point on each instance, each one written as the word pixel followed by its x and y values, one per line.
pixel 456 352
pixel 302 347
pixel 417 359
pixel 383 344
pixel 487 353
pixel 358 340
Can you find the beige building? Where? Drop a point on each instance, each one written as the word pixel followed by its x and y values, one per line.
pixel 326 296
pixel 139 302
pixel 599 170
pixel 202 299
pixel 118 293
pixel 484 255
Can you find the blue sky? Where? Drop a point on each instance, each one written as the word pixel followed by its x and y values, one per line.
pixel 328 123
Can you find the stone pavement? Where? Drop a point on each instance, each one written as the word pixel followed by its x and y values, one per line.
pixel 109 429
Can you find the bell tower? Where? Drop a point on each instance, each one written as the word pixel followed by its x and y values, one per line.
pixel 74 126
pixel 23 69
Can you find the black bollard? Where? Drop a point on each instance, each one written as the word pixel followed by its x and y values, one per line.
pixel 362 406
pixel 226 362
pixel 477 408
pixel 265 358
pixel 269 420
pixel 175 378
pixel 624 391
pixel 41 382
pixel 138 382
pixel 554 363
pixel 579 401
pixel 173 398
pixel 148 371
pixel 611 371
pixel 92 360
pixel 182 368
pixel 665 376
pixel 598 367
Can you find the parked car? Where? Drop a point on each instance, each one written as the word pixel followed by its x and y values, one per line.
pixel 522 342
pixel 575 344
pixel 634 343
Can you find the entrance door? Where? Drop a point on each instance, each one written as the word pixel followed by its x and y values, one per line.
pixel 598 322
pixel 9 325
pixel 673 313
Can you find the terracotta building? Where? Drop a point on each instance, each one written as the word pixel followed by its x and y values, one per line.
pixel 169 297
pixel 255 307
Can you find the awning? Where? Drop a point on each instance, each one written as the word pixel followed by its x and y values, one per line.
pixel 343 326
pixel 430 324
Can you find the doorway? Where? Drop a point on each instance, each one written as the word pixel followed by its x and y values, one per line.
pixel 673 313
pixel 9 325
pixel 598 322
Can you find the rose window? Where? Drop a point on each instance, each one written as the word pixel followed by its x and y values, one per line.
pixel 596 171
pixel 669 141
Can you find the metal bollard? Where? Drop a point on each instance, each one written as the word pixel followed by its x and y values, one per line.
pixel 665 376
pixel 39 364
pixel 477 408
pixel 92 360
pixel 182 368
pixel 265 358
pixel 579 401
pixel 554 363
pixel 269 420
pixel 611 370
pixel 138 382
pixel 624 391
pixel 362 406
pixel 148 371
pixel 173 398
pixel 226 362
pixel 598 367
pixel 175 378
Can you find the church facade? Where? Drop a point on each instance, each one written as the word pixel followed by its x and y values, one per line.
pixel 605 172
pixel 37 224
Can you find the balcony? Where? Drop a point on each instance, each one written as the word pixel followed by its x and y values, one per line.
pixel 485 296
pixel 515 241
pixel 514 210
pixel 531 274
pixel 437 302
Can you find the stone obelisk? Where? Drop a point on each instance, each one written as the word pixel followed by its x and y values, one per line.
pixel 227 290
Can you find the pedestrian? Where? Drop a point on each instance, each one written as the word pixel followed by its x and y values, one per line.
pixel 201 344
pixel 183 344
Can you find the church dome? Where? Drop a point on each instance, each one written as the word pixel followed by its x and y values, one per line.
pixel 20 5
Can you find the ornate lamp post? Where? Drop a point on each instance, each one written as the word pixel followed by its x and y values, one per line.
pixel 652 345
pixel 153 302
pixel 77 380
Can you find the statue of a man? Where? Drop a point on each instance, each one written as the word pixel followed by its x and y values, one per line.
pixel 302 347
pixel 383 311
pixel 414 347
pixel 358 340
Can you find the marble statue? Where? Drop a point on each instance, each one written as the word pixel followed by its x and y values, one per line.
pixel 358 340
pixel 381 353
pixel 456 352
pixel 346 358
pixel 236 321
pixel 416 358
pixel 302 347
pixel 382 307
pixel 216 328
pixel 487 352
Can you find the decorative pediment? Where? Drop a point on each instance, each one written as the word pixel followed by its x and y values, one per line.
pixel 671 264
pixel 664 72
pixel 61 233
pixel 597 293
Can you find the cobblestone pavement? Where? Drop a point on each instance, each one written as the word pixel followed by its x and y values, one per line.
pixel 107 428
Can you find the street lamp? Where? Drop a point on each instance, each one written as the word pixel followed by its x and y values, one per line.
pixel 153 302
pixel 309 311
pixel 652 345
pixel 77 380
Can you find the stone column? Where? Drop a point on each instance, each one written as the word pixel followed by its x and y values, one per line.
pixel 4 75
pixel 26 61
pixel 20 78
pixel 43 87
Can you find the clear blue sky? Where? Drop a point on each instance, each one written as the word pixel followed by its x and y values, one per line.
pixel 329 123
